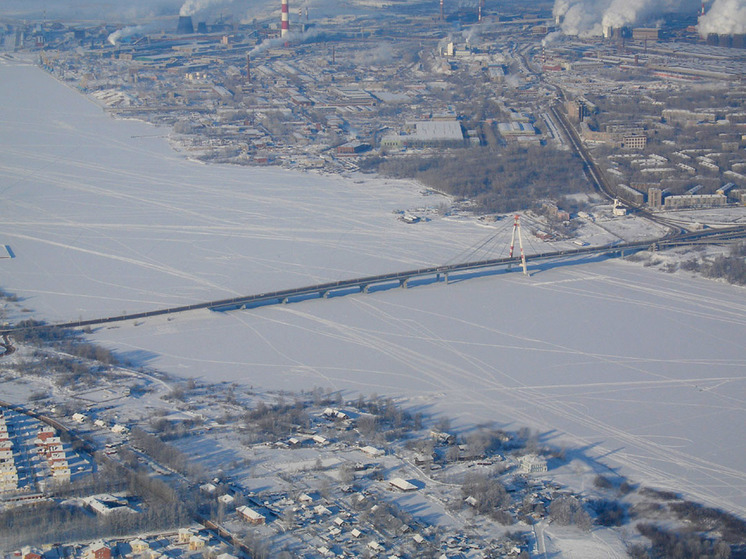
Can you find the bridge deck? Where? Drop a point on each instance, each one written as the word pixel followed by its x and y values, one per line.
pixel 323 289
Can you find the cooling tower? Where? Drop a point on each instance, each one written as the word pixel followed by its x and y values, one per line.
pixel 185 25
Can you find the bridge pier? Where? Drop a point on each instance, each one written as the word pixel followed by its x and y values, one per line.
pixel 324 294
pixel 446 277
pixel 285 300
pixel 403 283
pixel 364 288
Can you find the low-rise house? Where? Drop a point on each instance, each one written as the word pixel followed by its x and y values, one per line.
pixel 98 550
pixel 372 451
pixel 197 542
pixel 29 552
pixel 250 515
pixel 321 509
pixel 226 500
pixel 306 499
pixel 185 534
pixel 402 484
pixel 532 464
pixel 139 546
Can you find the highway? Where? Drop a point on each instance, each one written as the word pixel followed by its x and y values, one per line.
pixel 435 273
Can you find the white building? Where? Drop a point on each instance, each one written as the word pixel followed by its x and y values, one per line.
pixel 402 484
pixel 532 464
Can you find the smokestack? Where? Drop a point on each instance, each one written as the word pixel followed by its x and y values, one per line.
pixel 185 25
pixel 442 15
pixel 248 68
pixel 284 19
pixel 479 15
pixel 703 8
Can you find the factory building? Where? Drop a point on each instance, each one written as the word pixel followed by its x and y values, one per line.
pixel 516 129
pixel 737 41
pixel 645 34
pixel 428 133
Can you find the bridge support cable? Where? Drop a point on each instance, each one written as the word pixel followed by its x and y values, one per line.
pixel 486 248
pixel 517 227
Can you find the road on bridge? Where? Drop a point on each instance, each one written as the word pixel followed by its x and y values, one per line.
pixel 437 273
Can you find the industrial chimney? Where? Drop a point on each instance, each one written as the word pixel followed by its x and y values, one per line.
pixel 284 19
pixel 185 26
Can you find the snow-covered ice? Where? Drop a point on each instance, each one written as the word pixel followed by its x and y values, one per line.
pixel 646 370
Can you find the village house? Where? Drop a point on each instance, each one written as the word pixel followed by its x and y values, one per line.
pixel 250 515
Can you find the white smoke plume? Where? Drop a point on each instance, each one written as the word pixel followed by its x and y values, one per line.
pixel 551 38
pixel 629 12
pixel 120 34
pixel 589 17
pixel 725 17
pixel 581 17
pixel 191 7
pixel 379 55
pixel 291 38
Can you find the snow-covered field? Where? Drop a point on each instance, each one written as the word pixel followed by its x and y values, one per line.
pixel 646 370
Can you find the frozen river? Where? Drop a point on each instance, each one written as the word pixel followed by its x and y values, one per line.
pixel 646 371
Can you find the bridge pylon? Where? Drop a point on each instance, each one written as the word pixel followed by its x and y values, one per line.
pixel 517 227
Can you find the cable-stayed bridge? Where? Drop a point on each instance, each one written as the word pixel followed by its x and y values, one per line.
pixel 434 274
